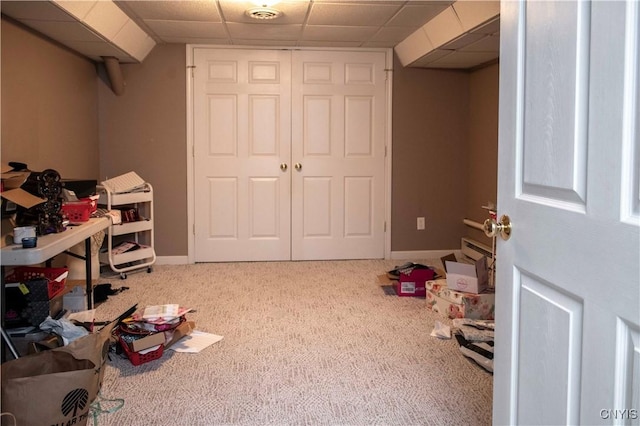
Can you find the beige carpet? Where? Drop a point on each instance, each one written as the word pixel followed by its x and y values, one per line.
pixel 305 343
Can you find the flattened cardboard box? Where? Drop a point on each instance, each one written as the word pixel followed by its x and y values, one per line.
pixel 147 342
pixel 11 183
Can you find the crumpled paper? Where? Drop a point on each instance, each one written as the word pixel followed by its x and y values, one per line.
pixel 63 328
pixel 441 331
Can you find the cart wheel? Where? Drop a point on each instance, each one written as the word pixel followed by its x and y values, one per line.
pixel 123 276
pixel 149 270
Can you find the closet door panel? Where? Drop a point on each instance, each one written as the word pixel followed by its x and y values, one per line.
pixel 338 134
pixel 242 135
pixel 288 154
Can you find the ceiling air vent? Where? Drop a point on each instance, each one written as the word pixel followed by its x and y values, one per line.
pixel 263 13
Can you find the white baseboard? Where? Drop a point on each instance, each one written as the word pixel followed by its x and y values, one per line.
pixel 400 255
pixel 423 254
pixel 172 260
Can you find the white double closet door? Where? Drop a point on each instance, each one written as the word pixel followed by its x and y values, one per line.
pixel 289 154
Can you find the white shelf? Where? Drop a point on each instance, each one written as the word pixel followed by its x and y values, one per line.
pixel 143 253
pixel 140 231
pixel 131 227
pixel 127 198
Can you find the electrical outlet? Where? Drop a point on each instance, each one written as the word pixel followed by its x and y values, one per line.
pixel 420 223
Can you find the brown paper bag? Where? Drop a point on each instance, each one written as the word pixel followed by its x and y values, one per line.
pixel 56 387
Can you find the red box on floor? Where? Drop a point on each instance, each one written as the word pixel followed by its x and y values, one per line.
pixel 413 284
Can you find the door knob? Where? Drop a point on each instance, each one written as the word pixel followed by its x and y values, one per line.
pixel 283 167
pixel 493 228
pixel 298 166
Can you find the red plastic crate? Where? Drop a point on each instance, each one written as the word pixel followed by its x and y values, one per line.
pixel 24 273
pixel 137 358
pixel 77 211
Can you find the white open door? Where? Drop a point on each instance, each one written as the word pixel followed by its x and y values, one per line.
pixel 568 279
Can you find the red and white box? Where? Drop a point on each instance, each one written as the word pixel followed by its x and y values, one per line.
pixel 414 283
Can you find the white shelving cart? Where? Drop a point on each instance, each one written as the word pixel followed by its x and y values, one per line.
pixel 136 235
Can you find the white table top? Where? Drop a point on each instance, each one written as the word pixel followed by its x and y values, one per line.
pixel 52 244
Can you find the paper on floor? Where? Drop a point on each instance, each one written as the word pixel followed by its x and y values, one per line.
pixel 441 331
pixel 195 342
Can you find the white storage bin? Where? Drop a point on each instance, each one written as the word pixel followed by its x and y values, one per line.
pixel 75 300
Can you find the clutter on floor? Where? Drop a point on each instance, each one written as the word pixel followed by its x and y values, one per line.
pixel 441 331
pixel 65 352
pixel 460 293
pixel 64 381
pixel 458 304
pixel 464 292
pixel 145 334
pixel 408 279
pixel 476 339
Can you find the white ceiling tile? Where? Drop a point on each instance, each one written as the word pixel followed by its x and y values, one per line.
pixel 196 40
pixel 203 10
pixel 431 57
pixel 78 9
pixel 490 27
pixel 413 47
pixel 314 43
pixel 106 18
pixel 401 24
pixel 335 33
pixel 474 13
pixel 392 34
pixel 388 44
pixel 462 41
pixel 258 31
pixel 489 43
pixel 262 42
pixel 464 59
pixel 190 29
pixel 134 41
pixel 34 10
pixel 345 14
pixel 63 31
pixel 415 15
pixel 443 28
pixel 97 49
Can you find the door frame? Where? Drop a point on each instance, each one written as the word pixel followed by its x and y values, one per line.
pixel 190 138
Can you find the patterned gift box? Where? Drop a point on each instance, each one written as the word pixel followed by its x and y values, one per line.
pixel 457 304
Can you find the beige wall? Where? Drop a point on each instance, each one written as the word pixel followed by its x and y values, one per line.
pixel 441 120
pixel 445 154
pixel 144 130
pixel 483 146
pixel 49 105
pixel 430 128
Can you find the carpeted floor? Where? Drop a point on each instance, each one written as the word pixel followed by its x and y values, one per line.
pixel 305 343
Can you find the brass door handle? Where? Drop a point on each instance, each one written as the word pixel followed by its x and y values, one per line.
pixel 493 228
pixel 298 166
pixel 283 167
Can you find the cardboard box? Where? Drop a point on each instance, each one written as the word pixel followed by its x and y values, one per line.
pixel 457 304
pixel 413 284
pixel 184 329
pixel 12 195
pixel 147 342
pixel 470 278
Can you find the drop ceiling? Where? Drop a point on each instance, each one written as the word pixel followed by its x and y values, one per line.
pixel 429 34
